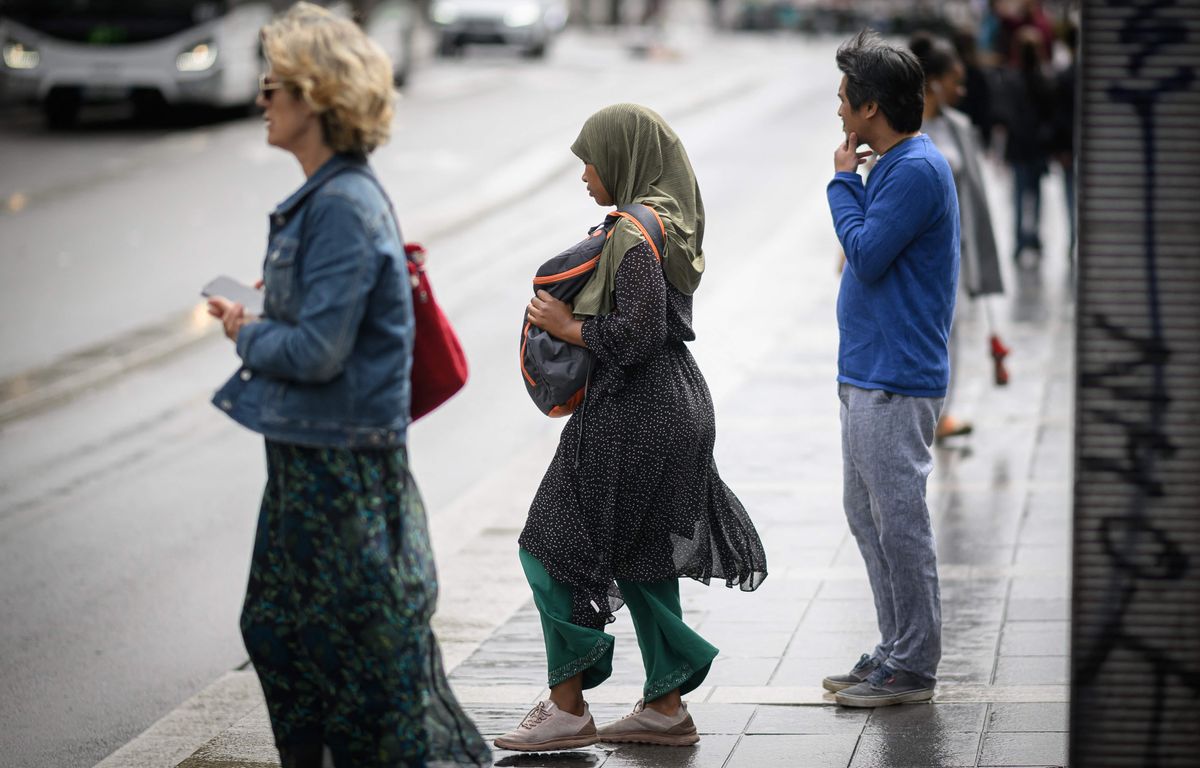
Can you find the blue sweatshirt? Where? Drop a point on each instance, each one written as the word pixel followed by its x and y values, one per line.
pixel 900 234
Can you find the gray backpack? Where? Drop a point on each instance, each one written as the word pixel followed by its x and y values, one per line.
pixel 556 373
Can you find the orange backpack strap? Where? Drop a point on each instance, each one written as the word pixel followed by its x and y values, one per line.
pixel 647 220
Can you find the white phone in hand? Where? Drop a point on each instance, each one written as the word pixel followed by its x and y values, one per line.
pixel 228 288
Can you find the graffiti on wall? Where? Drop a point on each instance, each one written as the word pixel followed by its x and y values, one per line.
pixel 1127 390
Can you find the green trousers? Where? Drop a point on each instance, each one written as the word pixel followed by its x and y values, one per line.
pixel 673 654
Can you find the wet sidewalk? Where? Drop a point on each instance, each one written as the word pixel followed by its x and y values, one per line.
pixel 1001 504
pixel 1001 501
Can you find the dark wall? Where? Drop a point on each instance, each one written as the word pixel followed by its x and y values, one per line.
pixel 1136 613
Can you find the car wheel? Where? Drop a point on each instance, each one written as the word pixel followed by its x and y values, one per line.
pixel 536 51
pixel 150 107
pixel 61 109
pixel 448 46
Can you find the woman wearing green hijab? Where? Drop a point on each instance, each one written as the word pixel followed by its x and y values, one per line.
pixel 632 500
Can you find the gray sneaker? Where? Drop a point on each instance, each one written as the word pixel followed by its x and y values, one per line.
pixel 886 686
pixel 865 666
pixel 648 726
pixel 547 728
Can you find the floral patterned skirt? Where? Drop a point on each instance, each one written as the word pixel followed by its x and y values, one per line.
pixel 336 619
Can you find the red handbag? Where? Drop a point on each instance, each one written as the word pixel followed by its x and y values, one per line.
pixel 439 366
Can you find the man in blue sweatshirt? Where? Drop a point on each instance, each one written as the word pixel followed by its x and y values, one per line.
pixel 900 234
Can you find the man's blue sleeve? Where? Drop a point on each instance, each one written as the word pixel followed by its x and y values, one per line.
pixel 900 208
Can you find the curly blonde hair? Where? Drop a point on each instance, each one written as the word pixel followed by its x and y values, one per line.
pixel 343 75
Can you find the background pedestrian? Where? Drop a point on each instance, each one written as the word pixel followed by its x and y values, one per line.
pixel 1027 115
pixel 955 137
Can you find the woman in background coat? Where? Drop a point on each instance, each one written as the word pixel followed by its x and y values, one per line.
pixel 953 134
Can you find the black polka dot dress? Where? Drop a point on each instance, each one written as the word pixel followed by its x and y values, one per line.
pixel 633 492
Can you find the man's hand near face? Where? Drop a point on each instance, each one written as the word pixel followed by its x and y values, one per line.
pixel 847 157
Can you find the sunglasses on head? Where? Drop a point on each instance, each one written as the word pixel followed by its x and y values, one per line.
pixel 266 86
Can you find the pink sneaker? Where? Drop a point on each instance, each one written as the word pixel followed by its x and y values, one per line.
pixel 547 728
pixel 648 726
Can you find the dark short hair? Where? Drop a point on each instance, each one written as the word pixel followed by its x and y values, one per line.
pixel 889 76
pixel 936 54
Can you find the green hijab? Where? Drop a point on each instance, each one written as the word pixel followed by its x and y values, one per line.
pixel 641 160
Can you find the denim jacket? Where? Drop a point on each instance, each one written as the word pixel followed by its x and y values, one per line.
pixel 328 363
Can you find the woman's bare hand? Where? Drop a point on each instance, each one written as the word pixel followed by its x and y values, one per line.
pixel 555 318
pixel 231 314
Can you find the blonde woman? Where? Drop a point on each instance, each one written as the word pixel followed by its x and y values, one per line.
pixel 342 584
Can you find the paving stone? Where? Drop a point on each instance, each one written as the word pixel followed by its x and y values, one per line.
pixel 1036 638
pixel 494 721
pixel 1041 588
pixel 964 593
pixel 1050 502
pixel 966 637
pixel 1024 749
pixel 793 589
pixel 1019 717
pixel 794 751
pixel 710 752
pixel 973 552
pixel 1039 609
pixel 735 642
pixel 1046 532
pixel 784 619
pixel 985 517
pixel 965 669
pixel 1057 554
pixel 741 672
pixel 916 749
pixel 497 676
pixel 249 743
pixel 845 589
pixel 842 615
pixel 720 718
pixel 799 670
pixel 940 718
pixel 806 720
pixel 824 645
pixel 1032 670
pixel 773 603
pixel 782 448
pixel 826 535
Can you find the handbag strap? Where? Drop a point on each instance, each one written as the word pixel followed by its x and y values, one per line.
pixel 412 253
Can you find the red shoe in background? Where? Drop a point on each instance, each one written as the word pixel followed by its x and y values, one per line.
pixel 999 352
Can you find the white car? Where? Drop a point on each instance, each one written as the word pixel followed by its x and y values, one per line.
pixel 66 53
pixel 526 24
pixel 63 54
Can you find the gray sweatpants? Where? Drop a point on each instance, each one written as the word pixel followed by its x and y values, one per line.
pixel 886 459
